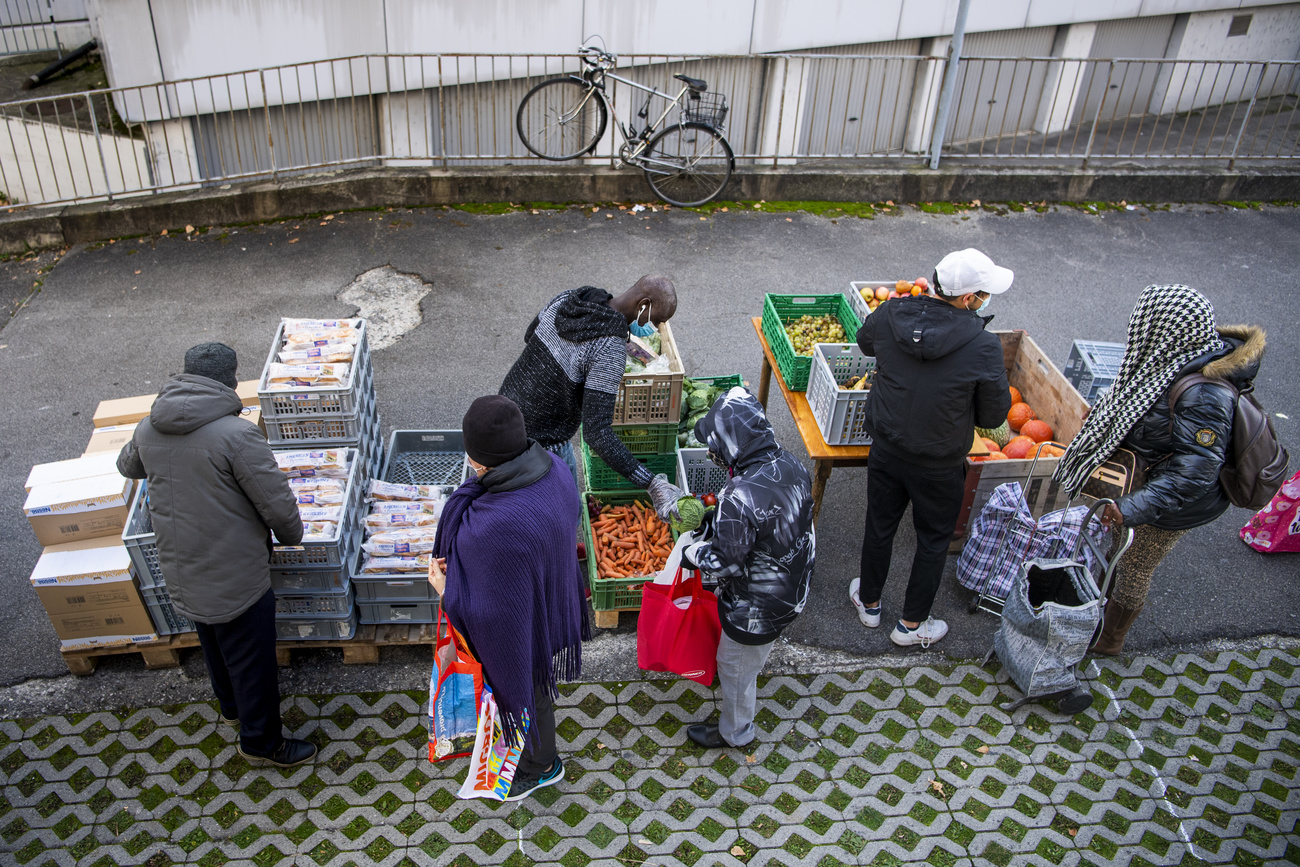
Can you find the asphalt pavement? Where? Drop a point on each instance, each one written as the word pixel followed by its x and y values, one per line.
pixel 114 319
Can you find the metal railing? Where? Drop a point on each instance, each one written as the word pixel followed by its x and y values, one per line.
pixel 458 110
pixel 27 26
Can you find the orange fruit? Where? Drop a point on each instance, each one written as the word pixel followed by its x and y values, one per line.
pixel 1019 414
pixel 1018 448
pixel 1037 430
pixel 1015 396
pixel 997 456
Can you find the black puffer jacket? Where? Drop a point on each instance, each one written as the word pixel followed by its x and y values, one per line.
pixel 938 375
pixel 1183 490
pixel 763 547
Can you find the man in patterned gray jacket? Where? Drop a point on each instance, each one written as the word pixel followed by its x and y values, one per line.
pixel 761 554
pixel 571 368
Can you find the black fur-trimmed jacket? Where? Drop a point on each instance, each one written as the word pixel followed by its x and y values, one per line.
pixel 1183 490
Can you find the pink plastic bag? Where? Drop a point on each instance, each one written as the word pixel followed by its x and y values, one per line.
pixel 1276 527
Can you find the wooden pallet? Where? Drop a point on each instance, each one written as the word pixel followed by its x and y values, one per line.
pixel 363 649
pixel 609 619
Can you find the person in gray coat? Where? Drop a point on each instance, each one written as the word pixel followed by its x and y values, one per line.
pixel 215 495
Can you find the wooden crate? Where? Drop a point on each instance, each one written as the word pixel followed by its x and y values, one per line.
pixel 1056 402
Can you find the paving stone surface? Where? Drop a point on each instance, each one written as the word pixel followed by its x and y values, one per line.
pixel 1185 760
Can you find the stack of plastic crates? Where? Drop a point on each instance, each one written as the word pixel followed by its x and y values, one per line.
pixel 1092 367
pixel 312 580
pixel 346 416
pixel 415 457
pixel 141 545
pixel 698 475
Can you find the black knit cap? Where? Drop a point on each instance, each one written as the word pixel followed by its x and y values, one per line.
pixel 213 360
pixel 494 430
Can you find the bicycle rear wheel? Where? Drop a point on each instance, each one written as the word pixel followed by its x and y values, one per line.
pixel 561 119
pixel 688 164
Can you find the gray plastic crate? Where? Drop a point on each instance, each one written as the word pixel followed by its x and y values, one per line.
pixel 297 581
pixel 425 457
pixel 316 628
pixel 338 551
pixel 397 612
pixel 387 588
pixel 1093 366
pixel 290 432
pixel 166 619
pixel 841 414
pixel 141 544
pixel 307 402
pixel 314 604
pixel 698 475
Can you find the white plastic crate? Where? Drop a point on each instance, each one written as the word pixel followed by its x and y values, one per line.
pixel 841 414
pixel 310 402
pixel 697 475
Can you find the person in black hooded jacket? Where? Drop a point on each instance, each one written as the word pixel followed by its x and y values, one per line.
pixel 939 374
pixel 570 370
pixel 761 554
pixel 1171 333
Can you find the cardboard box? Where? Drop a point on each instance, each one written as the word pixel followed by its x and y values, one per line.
pixel 89 593
pixel 79 509
pixel 110 439
pixel 84 467
pixel 130 410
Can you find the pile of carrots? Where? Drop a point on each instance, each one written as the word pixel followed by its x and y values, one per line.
pixel 630 541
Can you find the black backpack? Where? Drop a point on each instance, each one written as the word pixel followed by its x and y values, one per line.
pixel 1256 463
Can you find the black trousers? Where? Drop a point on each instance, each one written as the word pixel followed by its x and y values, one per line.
pixel 241 663
pixel 935 495
pixel 536 760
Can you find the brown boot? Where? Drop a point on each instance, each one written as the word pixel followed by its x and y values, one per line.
pixel 1115 625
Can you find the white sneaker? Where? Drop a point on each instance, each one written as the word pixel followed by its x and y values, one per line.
pixel 870 617
pixel 926 634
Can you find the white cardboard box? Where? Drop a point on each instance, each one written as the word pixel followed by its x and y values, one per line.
pixel 79 509
pixel 84 467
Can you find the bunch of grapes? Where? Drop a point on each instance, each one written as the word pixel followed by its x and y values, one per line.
pixel 808 330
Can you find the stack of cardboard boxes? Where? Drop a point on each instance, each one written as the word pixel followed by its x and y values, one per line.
pixel 78 509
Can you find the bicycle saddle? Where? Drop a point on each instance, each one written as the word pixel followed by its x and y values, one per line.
pixel 694 83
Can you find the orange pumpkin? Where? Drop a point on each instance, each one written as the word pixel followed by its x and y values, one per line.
pixel 1015 396
pixel 997 456
pixel 1018 448
pixel 1019 414
pixel 990 445
pixel 1037 430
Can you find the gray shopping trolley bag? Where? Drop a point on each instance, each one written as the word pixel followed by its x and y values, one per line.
pixel 1048 622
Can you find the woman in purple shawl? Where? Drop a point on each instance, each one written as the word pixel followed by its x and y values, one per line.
pixel 505 554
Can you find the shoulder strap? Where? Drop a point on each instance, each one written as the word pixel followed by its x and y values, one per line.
pixel 1186 382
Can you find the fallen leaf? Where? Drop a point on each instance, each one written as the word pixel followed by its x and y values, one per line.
pixel 758 207
pixel 594 209
pixel 600 745
pixel 703 218
pixel 1074 832
pixel 330 217
pixel 963 764
pixel 737 851
pixel 622 207
pixel 163 232
pixel 137 272
pixel 982 749
pixel 324 224
pixel 937 786
pixel 890 203
pixel 724 210
pixel 609 216
pixel 294 241
pixel 789 219
pixel 189 229
pixel 749 760
pixel 534 210
pixel 975 202
pixel 643 842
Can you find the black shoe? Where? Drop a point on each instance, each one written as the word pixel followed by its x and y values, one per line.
pixel 706 735
pixel 1074 701
pixel 524 785
pixel 289 753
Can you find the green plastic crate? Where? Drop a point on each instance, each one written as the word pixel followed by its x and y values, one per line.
pixel 778 310
pixel 727 381
pixel 601 477
pixel 648 439
pixel 612 594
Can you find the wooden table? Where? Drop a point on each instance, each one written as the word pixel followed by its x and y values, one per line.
pixel 825 457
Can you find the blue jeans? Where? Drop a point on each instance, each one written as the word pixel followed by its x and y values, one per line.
pixel 564 451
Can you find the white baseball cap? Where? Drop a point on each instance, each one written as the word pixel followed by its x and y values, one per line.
pixel 969 270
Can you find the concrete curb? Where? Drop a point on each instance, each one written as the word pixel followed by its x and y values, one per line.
pixel 256 201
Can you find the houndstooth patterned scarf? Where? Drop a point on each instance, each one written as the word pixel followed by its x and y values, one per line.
pixel 1169 327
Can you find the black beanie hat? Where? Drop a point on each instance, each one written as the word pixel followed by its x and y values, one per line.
pixel 213 360
pixel 494 430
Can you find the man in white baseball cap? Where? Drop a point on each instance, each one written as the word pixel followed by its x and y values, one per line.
pixel 939 374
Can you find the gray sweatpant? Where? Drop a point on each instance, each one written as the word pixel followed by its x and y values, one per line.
pixel 738 668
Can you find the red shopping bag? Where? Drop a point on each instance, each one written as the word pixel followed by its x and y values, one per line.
pixel 679 628
pixel 1276 527
pixel 455 690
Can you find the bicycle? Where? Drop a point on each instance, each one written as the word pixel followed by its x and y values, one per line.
pixel 686 163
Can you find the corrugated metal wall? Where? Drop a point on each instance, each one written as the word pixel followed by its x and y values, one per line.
pixel 996 97
pixel 857 106
pixel 1127 89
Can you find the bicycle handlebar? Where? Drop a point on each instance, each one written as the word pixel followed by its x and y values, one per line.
pixel 594 56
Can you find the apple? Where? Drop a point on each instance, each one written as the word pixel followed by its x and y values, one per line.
pixel 922 282
pixel 882 292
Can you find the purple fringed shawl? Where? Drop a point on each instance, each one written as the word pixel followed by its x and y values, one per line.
pixel 513 586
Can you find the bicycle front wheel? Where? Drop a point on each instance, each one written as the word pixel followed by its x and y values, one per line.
pixel 688 165
pixel 561 119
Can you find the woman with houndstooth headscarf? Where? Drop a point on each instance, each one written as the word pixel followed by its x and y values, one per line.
pixel 1171 333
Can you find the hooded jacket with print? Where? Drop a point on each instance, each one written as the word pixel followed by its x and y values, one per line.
pixel 763 548
pixel 215 495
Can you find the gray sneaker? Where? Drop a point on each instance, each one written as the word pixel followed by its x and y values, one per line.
pixel 925 634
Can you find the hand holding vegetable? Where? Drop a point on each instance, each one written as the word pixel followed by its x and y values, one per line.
pixel 664 495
